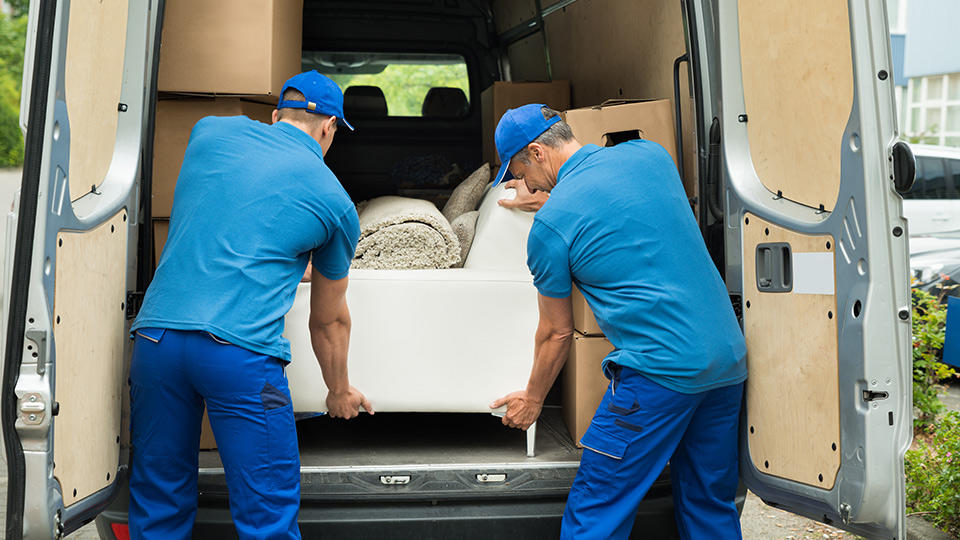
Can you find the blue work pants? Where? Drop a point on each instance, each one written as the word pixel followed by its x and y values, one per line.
pixel 637 429
pixel 172 374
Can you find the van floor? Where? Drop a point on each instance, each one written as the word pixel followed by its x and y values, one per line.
pixel 398 440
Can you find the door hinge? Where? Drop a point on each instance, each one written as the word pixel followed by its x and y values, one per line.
pixel 134 301
pixel 870 395
pixel 845 513
pixel 32 409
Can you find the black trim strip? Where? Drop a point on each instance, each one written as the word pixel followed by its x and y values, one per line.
pixel 678 112
pixel 145 251
pixel 22 265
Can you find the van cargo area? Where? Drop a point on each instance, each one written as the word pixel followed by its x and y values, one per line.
pixel 429 474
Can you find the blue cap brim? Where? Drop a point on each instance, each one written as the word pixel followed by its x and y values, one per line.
pixel 503 174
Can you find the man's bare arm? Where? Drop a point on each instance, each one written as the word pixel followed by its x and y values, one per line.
pixel 551 348
pixel 330 336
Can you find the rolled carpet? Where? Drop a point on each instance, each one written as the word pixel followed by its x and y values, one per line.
pixel 399 233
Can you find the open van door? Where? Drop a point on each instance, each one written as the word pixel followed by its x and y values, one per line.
pixel 74 261
pixel 799 96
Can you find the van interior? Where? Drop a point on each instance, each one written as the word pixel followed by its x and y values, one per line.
pixel 412 75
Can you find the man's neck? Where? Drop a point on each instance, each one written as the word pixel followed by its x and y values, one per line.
pixel 565 152
pixel 301 127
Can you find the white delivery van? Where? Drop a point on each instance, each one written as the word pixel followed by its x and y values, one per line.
pixel 933 205
pixel 788 151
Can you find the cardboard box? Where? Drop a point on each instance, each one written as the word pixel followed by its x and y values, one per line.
pixel 174 121
pixel 502 95
pixel 583 383
pixel 244 48
pixel 207 441
pixel 161 227
pixel 583 318
pixel 616 121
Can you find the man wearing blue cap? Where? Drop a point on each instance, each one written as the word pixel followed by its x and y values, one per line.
pixel 253 204
pixel 617 224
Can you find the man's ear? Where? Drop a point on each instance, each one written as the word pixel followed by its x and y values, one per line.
pixel 275 116
pixel 536 150
pixel 329 125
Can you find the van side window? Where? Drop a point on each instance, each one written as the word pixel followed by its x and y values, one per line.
pixel 933 181
pixel 954 192
pixel 916 192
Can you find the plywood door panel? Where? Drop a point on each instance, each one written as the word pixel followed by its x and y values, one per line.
pixel 798 94
pixel 89 326
pixel 96 38
pixel 793 406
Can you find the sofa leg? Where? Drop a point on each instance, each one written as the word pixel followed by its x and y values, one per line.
pixel 532 440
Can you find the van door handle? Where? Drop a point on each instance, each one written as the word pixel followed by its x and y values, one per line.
pixel 774 267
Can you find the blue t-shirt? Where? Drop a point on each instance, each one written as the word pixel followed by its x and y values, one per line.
pixel 618 224
pixel 252 204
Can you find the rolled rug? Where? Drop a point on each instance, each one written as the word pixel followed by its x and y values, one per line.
pixel 399 233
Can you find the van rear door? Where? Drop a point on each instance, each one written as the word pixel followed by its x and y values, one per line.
pixel 801 94
pixel 74 261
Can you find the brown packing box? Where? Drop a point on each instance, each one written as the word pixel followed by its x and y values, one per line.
pixel 583 382
pixel 174 121
pixel 612 121
pixel 207 442
pixel 583 319
pixel 216 47
pixel 161 227
pixel 502 95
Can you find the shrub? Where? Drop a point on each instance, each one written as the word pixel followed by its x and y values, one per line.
pixel 12 36
pixel 933 475
pixel 929 330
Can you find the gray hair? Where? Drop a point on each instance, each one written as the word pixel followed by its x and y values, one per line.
pixel 555 136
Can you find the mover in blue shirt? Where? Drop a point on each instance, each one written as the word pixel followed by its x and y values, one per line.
pixel 253 203
pixel 618 225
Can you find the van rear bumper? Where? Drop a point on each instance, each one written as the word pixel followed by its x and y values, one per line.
pixel 463 519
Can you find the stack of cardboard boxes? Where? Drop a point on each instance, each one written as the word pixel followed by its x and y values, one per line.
pixel 216 59
pixel 583 381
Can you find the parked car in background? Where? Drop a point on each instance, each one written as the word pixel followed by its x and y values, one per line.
pixel 932 206
pixel 935 263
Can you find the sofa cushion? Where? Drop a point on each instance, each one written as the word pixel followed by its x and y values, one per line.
pixel 467 195
pixel 465 226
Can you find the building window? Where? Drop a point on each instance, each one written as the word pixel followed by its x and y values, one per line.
pixel 897 16
pixel 934 109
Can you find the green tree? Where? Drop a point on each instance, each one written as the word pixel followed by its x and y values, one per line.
pixel 19 7
pixel 12 40
pixel 406 85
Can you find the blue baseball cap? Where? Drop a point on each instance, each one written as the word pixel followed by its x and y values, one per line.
pixel 518 128
pixel 322 94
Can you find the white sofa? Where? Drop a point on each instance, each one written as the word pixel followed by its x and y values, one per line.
pixel 434 340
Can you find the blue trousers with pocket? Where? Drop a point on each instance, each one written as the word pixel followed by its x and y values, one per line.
pixel 172 374
pixel 637 429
